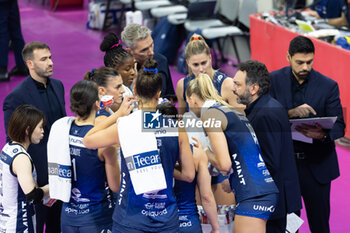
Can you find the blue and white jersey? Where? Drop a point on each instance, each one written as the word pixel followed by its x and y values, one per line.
pixel 16 214
pixel 91 201
pixel 150 212
pixel 217 80
pixel 250 176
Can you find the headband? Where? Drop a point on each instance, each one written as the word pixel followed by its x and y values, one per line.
pixel 115 45
pixel 92 73
pixel 194 38
pixel 155 70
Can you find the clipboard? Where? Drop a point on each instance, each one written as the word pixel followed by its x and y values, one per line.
pixel 325 122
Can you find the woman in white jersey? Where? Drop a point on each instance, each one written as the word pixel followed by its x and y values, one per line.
pixel 18 191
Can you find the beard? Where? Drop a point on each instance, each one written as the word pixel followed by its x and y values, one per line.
pixel 43 73
pixel 302 76
pixel 245 98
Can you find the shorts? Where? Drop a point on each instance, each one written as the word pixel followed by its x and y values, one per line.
pixel 218 179
pixel 106 228
pixel 189 224
pixel 117 228
pixel 258 207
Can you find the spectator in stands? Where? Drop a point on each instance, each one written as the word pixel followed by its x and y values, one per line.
pixel 334 12
pixel 47 94
pixel 139 43
pixel 306 93
pixel 10 29
pixel 272 128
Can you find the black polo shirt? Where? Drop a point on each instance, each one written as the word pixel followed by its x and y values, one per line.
pixel 50 100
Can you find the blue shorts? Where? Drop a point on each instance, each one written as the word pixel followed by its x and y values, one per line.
pixel 117 228
pixel 107 228
pixel 189 224
pixel 218 179
pixel 258 207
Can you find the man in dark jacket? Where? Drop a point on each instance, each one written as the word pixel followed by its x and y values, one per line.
pixel 306 93
pixel 47 94
pixel 272 128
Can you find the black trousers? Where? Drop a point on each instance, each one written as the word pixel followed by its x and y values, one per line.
pixel 48 216
pixel 276 225
pixel 10 29
pixel 316 198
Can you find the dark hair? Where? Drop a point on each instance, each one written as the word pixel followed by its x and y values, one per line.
pixel 27 52
pixel 301 44
pixel 256 73
pixel 101 75
pixel 168 109
pixel 115 54
pixel 24 118
pixel 83 96
pixel 149 81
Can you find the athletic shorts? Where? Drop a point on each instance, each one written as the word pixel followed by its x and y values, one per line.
pixel 121 229
pixel 106 228
pixel 189 224
pixel 258 207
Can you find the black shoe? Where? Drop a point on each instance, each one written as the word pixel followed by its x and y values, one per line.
pixel 4 77
pixel 18 71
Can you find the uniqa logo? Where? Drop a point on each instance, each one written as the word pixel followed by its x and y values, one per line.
pixel 264 208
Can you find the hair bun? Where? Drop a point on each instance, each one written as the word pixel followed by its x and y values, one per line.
pixel 150 67
pixel 111 40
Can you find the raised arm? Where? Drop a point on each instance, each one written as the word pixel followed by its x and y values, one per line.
pixel 219 155
pixel 106 132
pixel 180 98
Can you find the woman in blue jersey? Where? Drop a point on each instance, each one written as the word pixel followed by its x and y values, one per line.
pixel 198 60
pixel 146 212
pixel 109 82
pixel 235 148
pixel 185 192
pixel 121 60
pixel 90 207
pixel 18 191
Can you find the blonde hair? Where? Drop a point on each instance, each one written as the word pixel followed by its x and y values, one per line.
pixel 203 87
pixel 195 46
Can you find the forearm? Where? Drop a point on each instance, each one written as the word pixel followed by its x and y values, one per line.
pixel 46 190
pixel 340 21
pixel 104 124
pixel 209 206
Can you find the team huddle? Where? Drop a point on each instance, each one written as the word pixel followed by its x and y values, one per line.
pixel 113 175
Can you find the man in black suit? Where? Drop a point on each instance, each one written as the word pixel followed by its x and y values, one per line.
pixel 47 94
pixel 305 93
pixel 272 128
pixel 138 41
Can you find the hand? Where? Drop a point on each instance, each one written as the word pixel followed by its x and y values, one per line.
pixel 303 110
pixel 198 143
pixel 126 106
pixel 215 231
pixel 311 131
pixel 225 184
pixel 313 13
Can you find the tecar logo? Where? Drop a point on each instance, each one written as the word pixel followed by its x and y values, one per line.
pixel 143 160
